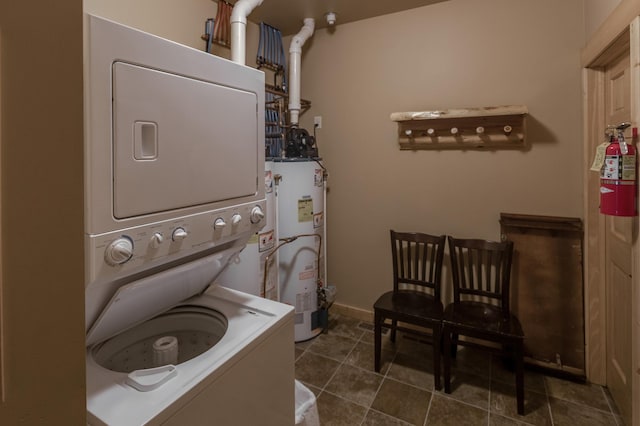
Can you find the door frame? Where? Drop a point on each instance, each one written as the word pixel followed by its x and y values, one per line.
pixel 619 32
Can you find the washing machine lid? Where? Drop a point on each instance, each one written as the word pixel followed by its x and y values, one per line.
pixel 143 299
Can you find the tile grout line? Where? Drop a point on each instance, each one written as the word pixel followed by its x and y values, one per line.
pixel 426 417
pixel 384 376
pixel 340 366
pixel 582 404
pixel 546 393
pixel 387 377
pixel 374 395
pixel 343 362
pixel 322 389
pixel 606 398
pixel 446 396
pixel 490 389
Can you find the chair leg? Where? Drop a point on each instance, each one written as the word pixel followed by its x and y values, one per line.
pixel 377 331
pixel 454 345
pixel 509 356
pixel 394 324
pixel 437 332
pixel 519 363
pixel 447 359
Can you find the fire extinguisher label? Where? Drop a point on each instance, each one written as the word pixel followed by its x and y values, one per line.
pixel 598 160
pixel 619 167
pixel 628 167
pixel 611 167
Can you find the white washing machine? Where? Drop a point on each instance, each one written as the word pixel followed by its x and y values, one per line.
pixel 231 366
pixel 174 188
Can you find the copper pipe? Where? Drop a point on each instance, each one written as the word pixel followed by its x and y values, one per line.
pixel 285 241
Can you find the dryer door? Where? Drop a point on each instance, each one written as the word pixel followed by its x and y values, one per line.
pixel 179 142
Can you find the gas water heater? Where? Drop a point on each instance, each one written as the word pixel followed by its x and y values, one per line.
pixel 301 200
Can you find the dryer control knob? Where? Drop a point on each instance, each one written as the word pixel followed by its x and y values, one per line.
pixel 236 219
pixel 119 251
pixel 156 239
pixel 219 223
pixel 256 214
pixel 179 234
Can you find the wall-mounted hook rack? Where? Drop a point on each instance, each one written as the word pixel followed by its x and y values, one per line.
pixel 464 128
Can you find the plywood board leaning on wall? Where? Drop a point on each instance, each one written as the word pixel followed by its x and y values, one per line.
pixel 547 289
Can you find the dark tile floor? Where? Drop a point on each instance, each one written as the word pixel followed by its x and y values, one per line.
pixel 338 367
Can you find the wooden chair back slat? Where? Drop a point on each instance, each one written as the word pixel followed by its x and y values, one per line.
pixel 417 261
pixel 481 269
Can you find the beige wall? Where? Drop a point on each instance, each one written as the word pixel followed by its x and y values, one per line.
pixel 595 12
pixel 177 20
pixel 460 53
pixel 182 21
pixel 42 213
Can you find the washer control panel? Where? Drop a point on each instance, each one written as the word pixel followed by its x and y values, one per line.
pixel 126 250
pixel 119 251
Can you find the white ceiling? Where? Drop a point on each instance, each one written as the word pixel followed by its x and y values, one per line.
pixel 287 15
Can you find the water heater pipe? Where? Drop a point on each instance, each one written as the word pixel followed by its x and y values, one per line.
pixel 284 241
pixel 295 54
pixel 241 10
pixel 325 175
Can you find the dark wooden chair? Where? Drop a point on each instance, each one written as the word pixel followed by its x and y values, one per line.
pixel 415 299
pixel 481 272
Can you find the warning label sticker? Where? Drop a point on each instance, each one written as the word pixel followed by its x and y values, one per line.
pixel 267 241
pixel 611 167
pixel 305 210
pixel 619 167
pixel 303 302
pixel 306 275
pixel 628 167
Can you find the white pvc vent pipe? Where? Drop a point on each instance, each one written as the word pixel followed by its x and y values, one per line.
pixel 241 10
pixel 295 52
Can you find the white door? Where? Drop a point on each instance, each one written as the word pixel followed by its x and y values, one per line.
pixel 618 256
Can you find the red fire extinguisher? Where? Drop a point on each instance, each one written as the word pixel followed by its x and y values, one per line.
pixel 618 179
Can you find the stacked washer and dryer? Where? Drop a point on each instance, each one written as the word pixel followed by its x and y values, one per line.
pixel 174 166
